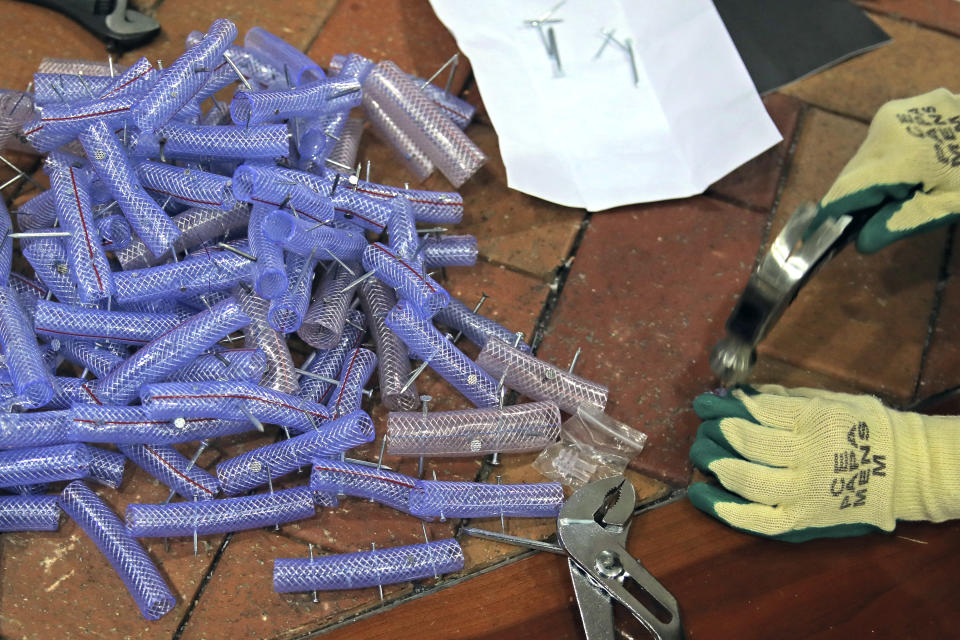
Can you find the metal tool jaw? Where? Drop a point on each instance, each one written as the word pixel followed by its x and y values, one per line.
pixel 110 20
pixel 592 527
pixel 782 272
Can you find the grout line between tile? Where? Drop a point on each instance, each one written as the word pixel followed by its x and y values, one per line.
pixel 200 589
pixel 316 35
pixel 943 277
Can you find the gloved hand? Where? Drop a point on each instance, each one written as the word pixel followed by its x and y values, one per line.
pixel 906 175
pixel 803 463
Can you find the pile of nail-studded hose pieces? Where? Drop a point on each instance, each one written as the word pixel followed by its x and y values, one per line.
pixel 182 241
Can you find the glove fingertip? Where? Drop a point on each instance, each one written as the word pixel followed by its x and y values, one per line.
pixel 705 452
pixel 706 497
pixel 709 406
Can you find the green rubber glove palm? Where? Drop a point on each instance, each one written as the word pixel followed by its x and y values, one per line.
pixel 906 175
pixel 803 463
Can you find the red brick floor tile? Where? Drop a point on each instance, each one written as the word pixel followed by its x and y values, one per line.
pixel 755 183
pixel 841 322
pixel 941 369
pixel 937 14
pixel 646 299
pixel 918 60
pixel 404 31
pixel 296 21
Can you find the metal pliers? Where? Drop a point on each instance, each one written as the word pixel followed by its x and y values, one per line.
pixel 592 528
pixel 110 20
pixel 777 280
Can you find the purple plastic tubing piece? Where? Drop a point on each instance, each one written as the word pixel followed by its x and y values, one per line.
pixel 88 355
pixel 108 158
pixel 270 273
pixel 16 109
pixel 474 432
pixel 125 554
pixel 231 400
pixel 317 97
pixel 63 122
pixel 221 142
pixel 115 232
pixel 132 425
pixel 279 54
pixel 449 251
pixel 260 184
pixel 85 255
pixel 220 516
pixel 228 364
pixel 27 289
pixel 205 271
pixel 347 396
pixel 345 478
pixel 49 261
pixel 35 429
pixel 76 66
pixel 475 327
pixel 30 378
pixel 303 237
pixel 345 150
pixel 351 203
pixel 410 280
pixel 29 513
pixel 428 344
pixel 539 380
pixel 367 568
pixel 179 82
pixel 69 392
pixel 197 225
pixel 329 363
pixel 402 231
pixel 413 158
pixel 6 245
pixel 286 312
pixel 170 467
pixel 450 150
pixel 393 367
pixel 136 79
pixel 250 470
pixel 107 467
pixel 72 323
pixel 191 187
pixel 323 323
pixel 160 358
pixel 33 465
pixel 430 499
pixel 278 373
pixel 436 207
pixel 37 212
pixel 58 88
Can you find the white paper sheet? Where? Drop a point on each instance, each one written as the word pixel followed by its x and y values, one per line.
pixel 592 138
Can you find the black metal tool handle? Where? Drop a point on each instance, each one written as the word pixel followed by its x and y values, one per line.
pixel 110 20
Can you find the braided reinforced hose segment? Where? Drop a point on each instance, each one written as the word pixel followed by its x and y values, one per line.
pixel 160 358
pixel 328 364
pixel 539 380
pixel 107 467
pixel 34 465
pixel 325 318
pixel 115 232
pixel 266 185
pixel 232 400
pixel 220 142
pixel 409 279
pixel 31 381
pixel 347 396
pixel 125 554
pixel 49 261
pixel 279 54
pixel 36 429
pixel 191 187
pixel 311 99
pixel 367 568
pixel 474 432
pixel 278 372
pixel 453 153
pixel 72 323
pixel 89 355
pixel 197 225
pixel 219 516
pixel 170 467
pixel 247 365
pixel 432 499
pixel 451 364
pixel 413 158
pixel 132 425
pixel 29 513
pixel 109 160
pixel 402 230
pixel 181 81
pixel 16 109
pixel 393 367
pixel 475 327
pixel 286 312
pixel 250 470
pixel 269 271
pixel 62 123
pixel 450 251
pixel 303 238
pixel 345 151
pixel 348 479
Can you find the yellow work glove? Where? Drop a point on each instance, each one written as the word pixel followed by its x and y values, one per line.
pixel 803 463
pixel 905 178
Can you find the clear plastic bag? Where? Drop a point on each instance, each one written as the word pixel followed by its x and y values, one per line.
pixel 592 446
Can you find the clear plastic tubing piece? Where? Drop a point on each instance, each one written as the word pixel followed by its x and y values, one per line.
pixel 474 432
pixel 539 380
pixel 349 479
pixel 219 516
pixel 430 499
pixel 129 560
pixel 412 282
pixel 393 368
pixel 367 568
pixel 475 327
